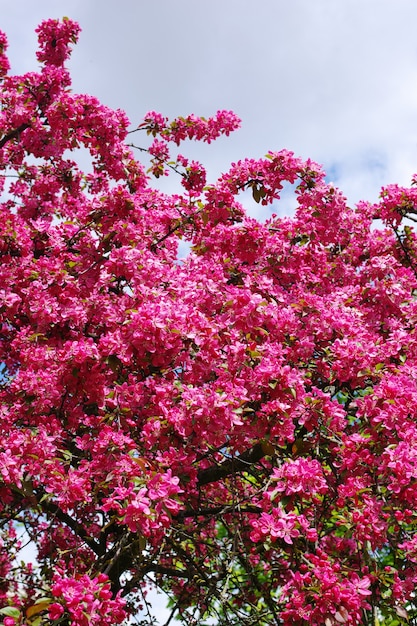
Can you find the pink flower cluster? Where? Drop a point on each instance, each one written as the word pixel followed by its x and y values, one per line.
pixel 318 594
pixel 147 509
pixel 280 525
pixel 191 127
pixel 86 601
pixel 54 39
pixel 4 61
pixel 299 476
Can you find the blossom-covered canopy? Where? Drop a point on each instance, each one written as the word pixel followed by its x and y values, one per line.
pixel 237 426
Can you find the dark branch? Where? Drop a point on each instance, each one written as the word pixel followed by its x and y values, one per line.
pixel 53 509
pixel 216 510
pixel 231 466
pixel 13 134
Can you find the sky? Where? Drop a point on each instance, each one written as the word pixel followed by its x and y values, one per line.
pixel 331 80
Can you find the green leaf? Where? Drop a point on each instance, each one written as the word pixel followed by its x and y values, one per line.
pixel 10 611
pixel 39 606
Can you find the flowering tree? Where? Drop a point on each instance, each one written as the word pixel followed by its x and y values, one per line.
pixel 237 427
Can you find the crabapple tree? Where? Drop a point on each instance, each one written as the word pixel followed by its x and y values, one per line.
pixel 237 427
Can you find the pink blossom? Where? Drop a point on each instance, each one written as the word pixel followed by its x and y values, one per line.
pixel 87 600
pixel 302 476
pixel 4 62
pixel 276 525
pixel 54 38
pixel 55 611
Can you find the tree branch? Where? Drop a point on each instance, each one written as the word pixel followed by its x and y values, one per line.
pixel 52 508
pixel 231 466
pixel 13 134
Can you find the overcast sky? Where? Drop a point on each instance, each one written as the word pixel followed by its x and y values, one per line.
pixel 333 80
